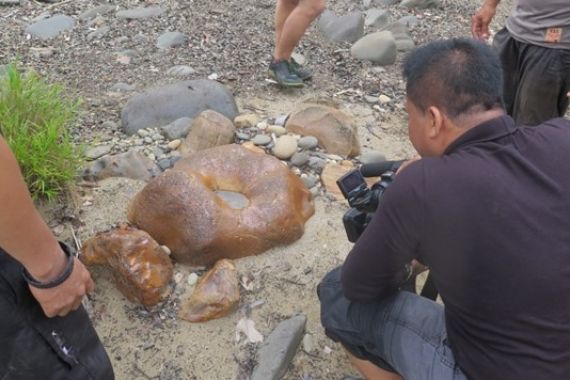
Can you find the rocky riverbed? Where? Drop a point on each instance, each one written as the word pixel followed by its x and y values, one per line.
pixel 108 52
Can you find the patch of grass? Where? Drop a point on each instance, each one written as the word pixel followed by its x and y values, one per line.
pixel 35 118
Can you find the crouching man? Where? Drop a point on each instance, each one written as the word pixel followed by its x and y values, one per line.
pixel 487 208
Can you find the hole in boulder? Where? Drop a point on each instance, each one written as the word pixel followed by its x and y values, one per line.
pixel 233 199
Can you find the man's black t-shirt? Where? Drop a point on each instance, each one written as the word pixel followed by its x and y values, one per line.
pixel 491 218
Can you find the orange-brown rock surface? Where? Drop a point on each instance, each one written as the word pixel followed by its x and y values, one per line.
pixel 215 295
pixel 334 129
pixel 141 267
pixel 181 210
pixel 208 130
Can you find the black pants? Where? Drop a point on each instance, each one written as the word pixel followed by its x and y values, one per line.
pixel 36 347
pixel 536 79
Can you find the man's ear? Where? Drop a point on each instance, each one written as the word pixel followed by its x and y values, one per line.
pixel 436 119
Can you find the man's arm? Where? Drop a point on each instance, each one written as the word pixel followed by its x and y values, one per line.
pixel 26 237
pixel 376 266
pixel 482 19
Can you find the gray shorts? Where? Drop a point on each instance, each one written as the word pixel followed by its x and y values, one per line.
pixel 404 333
pixel 536 79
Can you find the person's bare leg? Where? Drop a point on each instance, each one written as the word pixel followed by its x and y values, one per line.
pixel 282 11
pixel 371 371
pixel 295 26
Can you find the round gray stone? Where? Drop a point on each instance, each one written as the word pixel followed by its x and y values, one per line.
pixel 299 159
pixel 261 139
pixel 50 27
pixel 171 40
pixel 379 47
pixel 308 142
pixel 317 163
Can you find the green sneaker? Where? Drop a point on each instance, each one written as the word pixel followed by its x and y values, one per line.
pixel 281 72
pixel 303 73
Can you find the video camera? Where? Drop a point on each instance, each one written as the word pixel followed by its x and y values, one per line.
pixel 364 201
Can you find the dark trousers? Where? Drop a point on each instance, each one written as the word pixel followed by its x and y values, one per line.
pixel 36 347
pixel 536 79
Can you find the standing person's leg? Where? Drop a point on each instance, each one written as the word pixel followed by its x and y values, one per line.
pixel 295 26
pixel 282 11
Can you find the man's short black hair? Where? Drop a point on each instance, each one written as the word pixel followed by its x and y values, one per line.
pixel 459 75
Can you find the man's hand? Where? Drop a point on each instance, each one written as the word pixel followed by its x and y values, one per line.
pixel 66 297
pixel 482 19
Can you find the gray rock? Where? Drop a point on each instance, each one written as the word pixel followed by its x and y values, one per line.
pixel 261 139
pixel 132 164
pixel 308 142
pixel 98 33
pixel 110 125
pixel 299 58
pixel 379 47
pixel 317 163
pixel 97 11
pixel 377 18
pixel 281 120
pixel 123 87
pixel 371 99
pixel 178 129
pixel 164 163
pixel 310 180
pixel 386 2
pixel 299 159
pixel 285 147
pixel 98 151
pixel 242 135
pixel 180 71
pixel 140 12
pixel 171 40
pixel 420 4
pixel 410 21
pixel 163 105
pixel 50 27
pixel 278 350
pixel 371 156
pixel 401 34
pixel 347 28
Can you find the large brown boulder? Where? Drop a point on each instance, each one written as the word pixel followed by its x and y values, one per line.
pixel 334 129
pixel 181 209
pixel 215 295
pixel 141 268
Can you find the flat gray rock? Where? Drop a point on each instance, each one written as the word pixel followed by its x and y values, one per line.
pixel 347 28
pixel 261 139
pixel 377 18
pixel 278 350
pixel 300 158
pixel 171 40
pixel 97 151
pixel 178 129
pixel 97 11
pixel 379 47
pixel 180 71
pixel 50 27
pixel 308 142
pixel 420 4
pixel 140 12
pixel 132 164
pixel 163 105
pixel 410 21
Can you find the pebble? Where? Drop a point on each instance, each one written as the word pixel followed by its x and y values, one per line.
pixel 98 151
pixel 247 120
pixel 309 180
pixel 262 139
pixel 122 87
pixel 370 99
pixel 171 40
pixel 242 135
pixel 285 147
pixel 317 163
pixel 384 99
pixel 142 133
pixel 148 140
pixel 281 120
pixel 277 129
pixel 192 279
pixel 164 163
pixel 174 144
pixel 300 158
pixel 308 344
pixel 262 125
pixel 180 71
pixel 308 142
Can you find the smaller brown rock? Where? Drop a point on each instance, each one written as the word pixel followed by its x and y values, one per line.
pixel 215 295
pixel 141 267
pixel 247 120
pixel 208 130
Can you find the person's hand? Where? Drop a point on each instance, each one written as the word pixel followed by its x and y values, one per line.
pixel 66 297
pixel 406 163
pixel 481 20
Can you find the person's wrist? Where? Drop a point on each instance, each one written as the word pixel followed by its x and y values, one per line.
pixel 53 263
pixel 59 278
